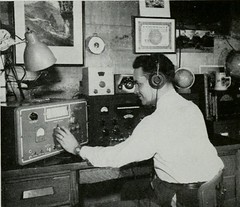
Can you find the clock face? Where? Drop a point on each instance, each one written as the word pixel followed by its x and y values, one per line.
pixel 96 45
pixel 5 40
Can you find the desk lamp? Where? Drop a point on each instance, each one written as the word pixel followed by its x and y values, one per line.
pixel 37 55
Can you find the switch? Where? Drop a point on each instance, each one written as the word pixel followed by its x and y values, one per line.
pixel 116 130
pixel 33 116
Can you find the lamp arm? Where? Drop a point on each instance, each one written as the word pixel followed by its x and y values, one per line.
pixel 7 41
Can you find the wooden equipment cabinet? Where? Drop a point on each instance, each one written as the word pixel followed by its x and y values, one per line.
pixel 55 185
pixel 230 154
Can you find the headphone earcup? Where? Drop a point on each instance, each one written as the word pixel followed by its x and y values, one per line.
pixel 156 81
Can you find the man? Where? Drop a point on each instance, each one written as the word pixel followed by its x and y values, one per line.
pixel 174 135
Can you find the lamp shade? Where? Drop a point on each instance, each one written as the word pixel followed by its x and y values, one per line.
pixel 37 55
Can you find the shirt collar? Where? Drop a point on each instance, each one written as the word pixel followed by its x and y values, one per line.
pixel 168 97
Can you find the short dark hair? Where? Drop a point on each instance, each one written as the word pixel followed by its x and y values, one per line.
pixel 149 64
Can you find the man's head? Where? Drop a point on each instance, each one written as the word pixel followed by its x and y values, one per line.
pixel 152 73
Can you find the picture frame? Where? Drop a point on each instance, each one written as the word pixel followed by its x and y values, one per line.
pixel 61 29
pixel 154 35
pixel 208 69
pixel 154 8
pixel 197 41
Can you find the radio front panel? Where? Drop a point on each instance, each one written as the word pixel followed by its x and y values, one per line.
pixel 34 124
pixel 113 118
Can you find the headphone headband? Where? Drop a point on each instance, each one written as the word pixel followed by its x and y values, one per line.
pixel 157 79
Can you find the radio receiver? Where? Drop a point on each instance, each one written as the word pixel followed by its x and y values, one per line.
pixel 27 129
pixel 97 81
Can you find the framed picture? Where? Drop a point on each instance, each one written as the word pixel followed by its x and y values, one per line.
pixel 154 35
pixel 154 8
pixel 195 40
pixel 58 24
pixel 208 69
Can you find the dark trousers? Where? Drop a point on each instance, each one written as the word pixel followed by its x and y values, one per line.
pixel 161 193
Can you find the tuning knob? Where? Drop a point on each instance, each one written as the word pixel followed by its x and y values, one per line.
pixel 105 132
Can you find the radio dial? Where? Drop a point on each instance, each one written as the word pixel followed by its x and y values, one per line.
pixel 33 116
pixel 129 84
pixel 102 84
pixel 105 132
pixel 116 130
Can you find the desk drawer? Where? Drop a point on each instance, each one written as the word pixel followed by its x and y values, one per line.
pixel 229 128
pixel 51 190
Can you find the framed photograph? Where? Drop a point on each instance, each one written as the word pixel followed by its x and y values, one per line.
pixel 208 69
pixel 154 8
pixel 195 40
pixel 58 24
pixel 154 35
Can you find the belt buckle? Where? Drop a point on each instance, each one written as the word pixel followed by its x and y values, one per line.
pixel 192 186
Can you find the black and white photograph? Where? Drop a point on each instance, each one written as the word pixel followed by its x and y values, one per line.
pixel 195 40
pixel 157 8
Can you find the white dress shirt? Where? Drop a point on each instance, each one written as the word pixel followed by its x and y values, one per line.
pixel 174 135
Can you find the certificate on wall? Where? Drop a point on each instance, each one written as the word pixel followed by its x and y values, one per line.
pixel 154 35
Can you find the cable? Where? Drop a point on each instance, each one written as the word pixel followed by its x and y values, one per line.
pixel 180 54
pixel 158 68
pixel 229 42
pixel 156 100
pixel 10 67
pixel 18 82
pixel 24 73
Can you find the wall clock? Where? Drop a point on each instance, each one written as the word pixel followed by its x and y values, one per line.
pixel 95 44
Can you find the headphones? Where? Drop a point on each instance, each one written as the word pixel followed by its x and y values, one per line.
pixel 157 79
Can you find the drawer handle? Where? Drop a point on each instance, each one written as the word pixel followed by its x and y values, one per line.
pixel 38 192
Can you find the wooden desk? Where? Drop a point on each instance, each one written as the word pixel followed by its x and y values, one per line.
pixel 46 184
pixel 55 184
pixel 94 175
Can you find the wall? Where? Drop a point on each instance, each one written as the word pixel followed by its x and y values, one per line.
pixel 111 20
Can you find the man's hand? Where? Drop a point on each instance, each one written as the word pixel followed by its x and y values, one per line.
pixel 66 139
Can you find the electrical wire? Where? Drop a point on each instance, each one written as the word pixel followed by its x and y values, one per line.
pixel 180 53
pixel 9 67
pixel 24 73
pixel 229 42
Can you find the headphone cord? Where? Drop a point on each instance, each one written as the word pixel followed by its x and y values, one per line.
pixel 158 66
pixel 156 97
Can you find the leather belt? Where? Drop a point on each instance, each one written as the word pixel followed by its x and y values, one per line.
pixel 192 185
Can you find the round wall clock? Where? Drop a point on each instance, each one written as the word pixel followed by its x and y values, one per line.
pixel 96 45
